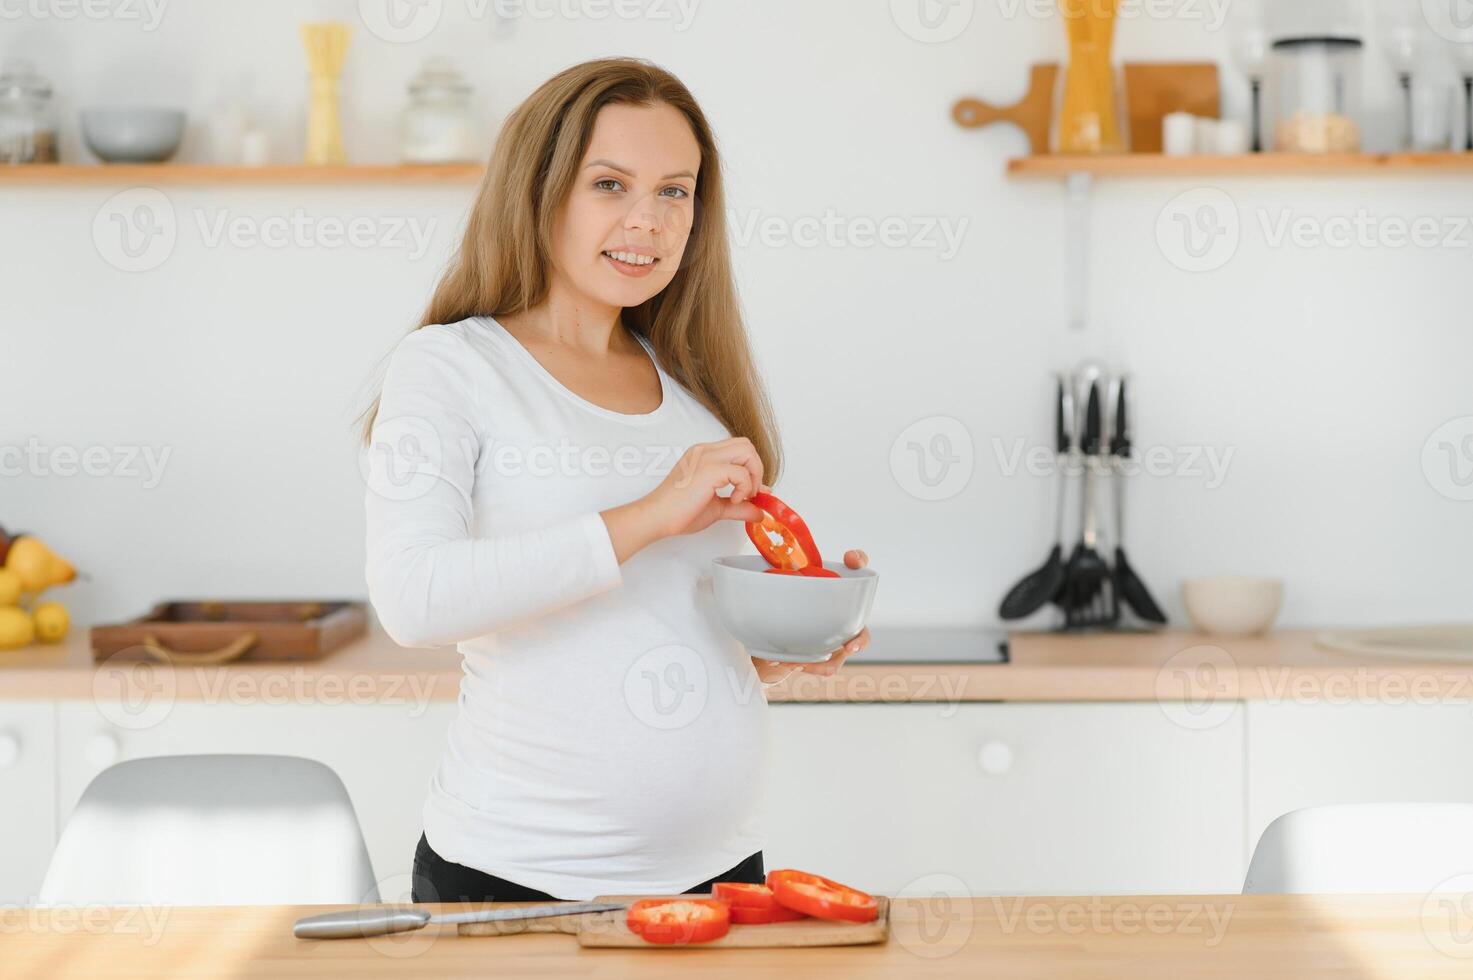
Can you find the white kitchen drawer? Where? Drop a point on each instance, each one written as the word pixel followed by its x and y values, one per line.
pixel 27 797
pixel 385 755
pixel 1058 799
pixel 1303 755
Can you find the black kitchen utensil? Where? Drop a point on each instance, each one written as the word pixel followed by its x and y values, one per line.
pixel 1088 593
pixel 1132 590
pixel 1042 584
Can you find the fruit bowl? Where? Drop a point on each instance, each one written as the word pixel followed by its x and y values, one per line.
pixel 791 618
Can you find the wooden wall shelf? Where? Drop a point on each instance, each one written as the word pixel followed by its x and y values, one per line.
pixel 1252 165
pixel 190 173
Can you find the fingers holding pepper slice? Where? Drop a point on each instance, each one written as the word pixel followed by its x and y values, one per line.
pixel 680 920
pixel 821 897
pixel 782 537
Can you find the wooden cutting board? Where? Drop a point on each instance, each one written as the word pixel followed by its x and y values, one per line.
pixel 607 929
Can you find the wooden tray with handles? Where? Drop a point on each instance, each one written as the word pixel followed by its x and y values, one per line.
pixel 197 632
pixel 607 929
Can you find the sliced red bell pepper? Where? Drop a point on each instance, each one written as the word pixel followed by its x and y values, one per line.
pixel 782 536
pixel 821 897
pixel 679 920
pixel 752 904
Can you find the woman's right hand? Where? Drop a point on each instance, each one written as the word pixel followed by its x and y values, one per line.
pixel 686 501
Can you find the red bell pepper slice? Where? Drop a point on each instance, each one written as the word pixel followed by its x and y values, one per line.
pixel 752 904
pixel 821 897
pixel 782 536
pixel 678 920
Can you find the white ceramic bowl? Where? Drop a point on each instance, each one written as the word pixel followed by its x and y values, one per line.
pixel 1232 605
pixel 790 617
pixel 129 135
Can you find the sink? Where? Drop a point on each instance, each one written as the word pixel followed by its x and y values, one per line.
pixel 1453 641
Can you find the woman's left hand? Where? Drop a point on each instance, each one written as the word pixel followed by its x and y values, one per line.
pixel 772 671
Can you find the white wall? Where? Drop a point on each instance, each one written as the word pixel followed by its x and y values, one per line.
pixel 1324 370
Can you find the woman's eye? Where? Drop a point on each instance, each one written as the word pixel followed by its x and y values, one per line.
pixel 607 184
pixel 678 193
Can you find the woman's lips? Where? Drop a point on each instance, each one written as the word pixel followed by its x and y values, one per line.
pixel 628 268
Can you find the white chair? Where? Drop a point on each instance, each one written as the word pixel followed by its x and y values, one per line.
pixel 212 830
pixel 1410 848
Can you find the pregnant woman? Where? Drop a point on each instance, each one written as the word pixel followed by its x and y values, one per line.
pixel 556 456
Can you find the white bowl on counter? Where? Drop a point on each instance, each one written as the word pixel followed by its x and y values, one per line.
pixel 1232 605
pixel 791 617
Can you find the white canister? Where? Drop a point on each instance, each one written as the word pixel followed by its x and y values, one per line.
pixel 1179 134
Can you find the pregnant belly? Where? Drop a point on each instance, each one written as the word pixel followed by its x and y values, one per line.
pixel 665 749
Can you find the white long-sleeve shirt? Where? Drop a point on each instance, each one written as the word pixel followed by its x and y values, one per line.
pixel 611 736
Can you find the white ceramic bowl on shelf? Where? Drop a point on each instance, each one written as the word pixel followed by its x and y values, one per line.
pixel 132 135
pixel 1232 605
pixel 791 618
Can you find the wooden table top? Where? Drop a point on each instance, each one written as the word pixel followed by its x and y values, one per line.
pixel 1237 936
pixel 1169 665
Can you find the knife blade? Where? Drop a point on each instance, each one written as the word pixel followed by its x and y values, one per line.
pixel 381 920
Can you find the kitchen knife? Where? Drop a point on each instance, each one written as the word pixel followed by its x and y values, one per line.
pixel 384 919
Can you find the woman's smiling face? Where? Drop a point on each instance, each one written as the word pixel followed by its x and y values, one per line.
pixel 623 229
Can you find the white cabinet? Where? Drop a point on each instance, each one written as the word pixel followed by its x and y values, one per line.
pixel 27 797
pixel 1303 755
pixel 1013 799
pixel 385 755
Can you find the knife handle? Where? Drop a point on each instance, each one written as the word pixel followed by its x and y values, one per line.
pixel 1091 441
pixel 1120 443
pixel 360 923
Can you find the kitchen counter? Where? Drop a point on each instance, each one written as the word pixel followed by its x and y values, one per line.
pixel 1264 936
pixel 1171 665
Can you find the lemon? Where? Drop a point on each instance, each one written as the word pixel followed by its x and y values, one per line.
pixel 10 587
pixel 16 628
pixel 52 621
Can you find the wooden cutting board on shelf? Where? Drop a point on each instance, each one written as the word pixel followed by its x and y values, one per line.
pixel 607 929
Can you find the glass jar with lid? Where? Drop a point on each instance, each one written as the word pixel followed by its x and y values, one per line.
pixel 1318 98
pixel 438 126
pixel 27 117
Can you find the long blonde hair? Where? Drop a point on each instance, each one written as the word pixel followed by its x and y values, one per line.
pixel 694 324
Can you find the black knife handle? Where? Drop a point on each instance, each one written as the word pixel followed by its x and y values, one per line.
pixel 1061 424
pixel 1120 444
pixel 1091 442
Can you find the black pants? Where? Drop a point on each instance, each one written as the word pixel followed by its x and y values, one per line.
pixel 438 880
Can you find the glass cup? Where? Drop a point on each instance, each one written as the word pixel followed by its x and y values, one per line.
pixel 1432 117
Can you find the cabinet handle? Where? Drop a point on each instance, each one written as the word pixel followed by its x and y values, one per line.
pixel 995 758
pixel 9 750
pixel 102 750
